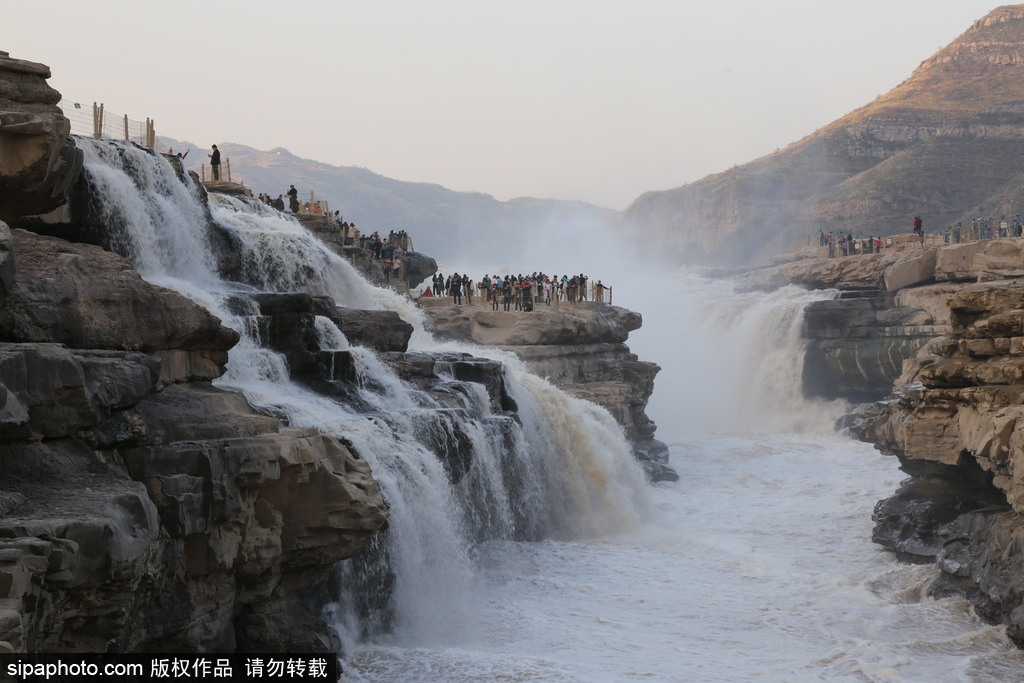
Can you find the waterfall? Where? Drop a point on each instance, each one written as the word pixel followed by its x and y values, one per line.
pixel 737 364
pixel 453 470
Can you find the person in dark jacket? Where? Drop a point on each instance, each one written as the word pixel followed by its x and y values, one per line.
pixel 215 162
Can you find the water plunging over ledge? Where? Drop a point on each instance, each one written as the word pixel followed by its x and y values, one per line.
pixel 550 558
pixel 556 468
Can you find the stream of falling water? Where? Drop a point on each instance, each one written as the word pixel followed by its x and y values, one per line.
pixel 757 565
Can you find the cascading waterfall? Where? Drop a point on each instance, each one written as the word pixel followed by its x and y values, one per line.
pixel 700 589
pixel 566 471
pixel 750 345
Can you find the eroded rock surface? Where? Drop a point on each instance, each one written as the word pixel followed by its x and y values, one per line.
pixel 580 349
pixel 957 426
pixel 38 161
pixel 142 508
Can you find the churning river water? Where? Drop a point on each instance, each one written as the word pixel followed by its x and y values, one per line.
pixel 757 565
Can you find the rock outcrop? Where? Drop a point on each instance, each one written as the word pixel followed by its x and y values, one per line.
pixel 957 426
pixel 38 161
pixel 141 508
pixel 888 306
pixel 580 349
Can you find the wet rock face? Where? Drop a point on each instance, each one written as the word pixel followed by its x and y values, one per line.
pixel 857 345
pixel 141 508
pixel 286 322
pixel 957 425
pixel 581 350
pixel 38 161
pixel 149 520
pixel 6 261
pixel 85 297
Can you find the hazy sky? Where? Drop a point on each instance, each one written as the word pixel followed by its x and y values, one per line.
pixel 596 100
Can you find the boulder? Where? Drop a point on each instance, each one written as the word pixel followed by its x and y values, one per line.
pixel 917 269
pixel 379 330
pixel 53 392
pixel 418 267
pixel 38 160
pixel 85 297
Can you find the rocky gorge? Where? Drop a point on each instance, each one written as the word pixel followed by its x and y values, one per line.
pixel 933 340
pixel 147 505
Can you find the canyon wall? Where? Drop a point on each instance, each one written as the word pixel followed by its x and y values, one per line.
pixel 143 508
pixel 945 327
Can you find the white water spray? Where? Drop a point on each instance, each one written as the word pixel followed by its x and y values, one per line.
pixel 566 471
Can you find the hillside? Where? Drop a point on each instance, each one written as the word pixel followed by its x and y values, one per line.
pixel 442 222
pixel 945 144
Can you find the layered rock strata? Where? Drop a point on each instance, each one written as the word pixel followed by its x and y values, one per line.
pixel 872 170
pixel 580 349
pixel 887 306
pixel 38 161
pixel 141 508
pixel 946 326
pixel 957 426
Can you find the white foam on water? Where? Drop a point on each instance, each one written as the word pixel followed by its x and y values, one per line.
pixel 757 565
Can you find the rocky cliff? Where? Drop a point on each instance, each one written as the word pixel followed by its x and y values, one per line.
pixel 38 160
pixel 945 326
pixel 888 305
pixel 143 507
pixel 871 171
pixel 579 348
pixel 955 424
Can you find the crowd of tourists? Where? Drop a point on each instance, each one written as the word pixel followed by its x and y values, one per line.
pixel 848 245
pixel 981 228
pixel 517 292
pixel 510 292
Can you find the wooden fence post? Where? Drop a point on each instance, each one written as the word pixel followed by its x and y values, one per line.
pixel 227 162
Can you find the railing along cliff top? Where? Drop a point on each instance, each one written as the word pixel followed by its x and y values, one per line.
pixel 94 121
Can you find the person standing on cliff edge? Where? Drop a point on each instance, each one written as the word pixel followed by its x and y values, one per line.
pixel 917 226
pixel 215 162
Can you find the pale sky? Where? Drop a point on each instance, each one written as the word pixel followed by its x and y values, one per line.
pixel 597 100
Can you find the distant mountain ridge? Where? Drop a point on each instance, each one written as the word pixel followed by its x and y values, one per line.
pixel 945 144
pixel 442 222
